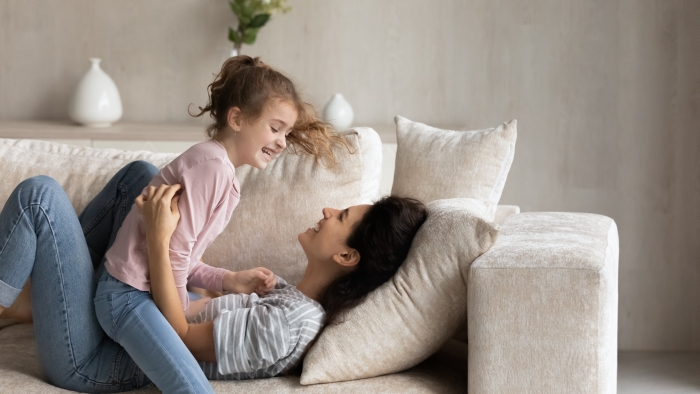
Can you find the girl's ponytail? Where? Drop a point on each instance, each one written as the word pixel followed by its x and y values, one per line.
pixel 249 84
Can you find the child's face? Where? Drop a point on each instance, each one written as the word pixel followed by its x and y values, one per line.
pixel 260 142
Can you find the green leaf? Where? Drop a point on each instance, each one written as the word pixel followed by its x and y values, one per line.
pixel 259 20
pixel 233 36
pixel 250 35
pixel 235 8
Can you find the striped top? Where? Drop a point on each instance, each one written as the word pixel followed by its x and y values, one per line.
pixel 260 337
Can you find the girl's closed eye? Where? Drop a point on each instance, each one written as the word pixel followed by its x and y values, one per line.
pixel 274 130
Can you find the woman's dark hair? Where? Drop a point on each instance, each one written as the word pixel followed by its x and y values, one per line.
pixel 382 238
pixel 250 84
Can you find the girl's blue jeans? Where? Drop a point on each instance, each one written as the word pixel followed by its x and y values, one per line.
pixel 41 237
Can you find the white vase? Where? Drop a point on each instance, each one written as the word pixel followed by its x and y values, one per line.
pixel 338 112
pixel 96 102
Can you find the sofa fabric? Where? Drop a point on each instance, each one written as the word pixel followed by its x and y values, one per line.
pixel 411 316
pixel 20 372
pixel 433 164
pixel 276 203
pixel 543 306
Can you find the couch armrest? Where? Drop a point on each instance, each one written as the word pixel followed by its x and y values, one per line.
pixel 542 309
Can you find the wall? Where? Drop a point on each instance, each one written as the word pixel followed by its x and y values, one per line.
pixel 606 93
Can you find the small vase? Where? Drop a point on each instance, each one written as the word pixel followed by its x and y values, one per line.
pixel 96 102
pixel 338 112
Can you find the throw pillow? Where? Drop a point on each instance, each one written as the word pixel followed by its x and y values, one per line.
pixel 434 164
pixel 407 319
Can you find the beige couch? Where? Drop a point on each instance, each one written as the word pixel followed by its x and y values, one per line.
pixel 542 302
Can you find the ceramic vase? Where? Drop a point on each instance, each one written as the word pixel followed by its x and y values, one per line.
pixel 338 112
pixel 96 102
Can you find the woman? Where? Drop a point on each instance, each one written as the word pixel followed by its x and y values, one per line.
pixel 42 236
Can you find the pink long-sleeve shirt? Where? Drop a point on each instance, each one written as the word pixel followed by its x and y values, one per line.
pixel 210 192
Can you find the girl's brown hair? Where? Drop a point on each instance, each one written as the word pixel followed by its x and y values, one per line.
pixel 250 84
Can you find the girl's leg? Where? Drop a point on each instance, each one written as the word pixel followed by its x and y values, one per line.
pixel 40 235
pixel 132 319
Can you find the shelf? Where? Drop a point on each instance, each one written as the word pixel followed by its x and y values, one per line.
pixel 136 131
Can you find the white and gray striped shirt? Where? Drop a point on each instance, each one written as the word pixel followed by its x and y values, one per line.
pixel 260 337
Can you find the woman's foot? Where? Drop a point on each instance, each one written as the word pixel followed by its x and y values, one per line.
pixel 21 310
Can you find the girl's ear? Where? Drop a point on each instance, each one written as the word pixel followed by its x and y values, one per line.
pixel 348 258
pixel 234 118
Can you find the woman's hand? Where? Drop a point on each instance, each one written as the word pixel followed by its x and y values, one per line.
pixel 160 212
pixel 257 280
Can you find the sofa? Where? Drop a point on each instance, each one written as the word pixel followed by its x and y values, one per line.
pixel 535 313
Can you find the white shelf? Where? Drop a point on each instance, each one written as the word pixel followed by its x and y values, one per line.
pixel 125 131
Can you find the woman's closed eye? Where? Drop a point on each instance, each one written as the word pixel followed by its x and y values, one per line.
pixel 274 130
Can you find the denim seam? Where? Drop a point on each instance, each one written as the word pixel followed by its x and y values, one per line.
pixel 99 216
pixel 10 237
pixel 122 209
pixel 157 341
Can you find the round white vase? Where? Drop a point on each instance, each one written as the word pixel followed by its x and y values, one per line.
pixel 96 102
pixel 338 112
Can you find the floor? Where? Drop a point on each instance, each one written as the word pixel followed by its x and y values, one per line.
pixel 658 372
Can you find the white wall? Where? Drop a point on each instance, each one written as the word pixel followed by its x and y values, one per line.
pixel 606 93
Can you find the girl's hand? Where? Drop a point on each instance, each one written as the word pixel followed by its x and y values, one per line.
pixel 257 280
pixel 160 212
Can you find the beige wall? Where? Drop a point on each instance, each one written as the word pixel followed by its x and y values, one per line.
pixel 606 93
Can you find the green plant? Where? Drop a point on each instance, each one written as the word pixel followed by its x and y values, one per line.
pixel 252 15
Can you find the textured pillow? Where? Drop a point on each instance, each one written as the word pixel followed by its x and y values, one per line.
pixel 411 316
pixel 276 203
pixel 433 164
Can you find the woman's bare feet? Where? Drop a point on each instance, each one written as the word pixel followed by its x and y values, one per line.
pixel 21 310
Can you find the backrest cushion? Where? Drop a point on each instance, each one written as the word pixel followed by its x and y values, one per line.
pixel 411 316
pixel 276 203
pixel 434 164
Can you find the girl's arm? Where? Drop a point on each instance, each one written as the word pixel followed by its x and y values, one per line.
pixel 161 215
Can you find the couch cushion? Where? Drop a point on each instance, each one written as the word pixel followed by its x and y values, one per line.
pixel 411 316
pixel 434 164
pixel 276 204
pixel 20 372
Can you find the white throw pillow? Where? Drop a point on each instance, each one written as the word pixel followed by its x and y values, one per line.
pixel 433 164
pixel 276 203
pixel 407 319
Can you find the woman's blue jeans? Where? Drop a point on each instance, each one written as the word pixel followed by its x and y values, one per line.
pixel 41 237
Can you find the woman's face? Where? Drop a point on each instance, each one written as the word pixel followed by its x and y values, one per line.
pixel 328 238
pixel 259 142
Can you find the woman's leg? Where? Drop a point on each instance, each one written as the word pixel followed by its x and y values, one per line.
pixel 100 221
pixel 40 235
pixel 103 216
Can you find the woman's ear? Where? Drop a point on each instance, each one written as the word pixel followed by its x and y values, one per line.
pixel 348 258
pixel 233 118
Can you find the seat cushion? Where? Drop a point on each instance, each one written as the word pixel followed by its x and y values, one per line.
pixel 20 372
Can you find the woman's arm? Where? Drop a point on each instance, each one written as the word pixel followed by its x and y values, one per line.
pixel 161 215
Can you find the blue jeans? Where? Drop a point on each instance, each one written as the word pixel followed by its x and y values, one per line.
pixel 41 236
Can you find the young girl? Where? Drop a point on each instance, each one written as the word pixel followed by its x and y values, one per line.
pixel 256 111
